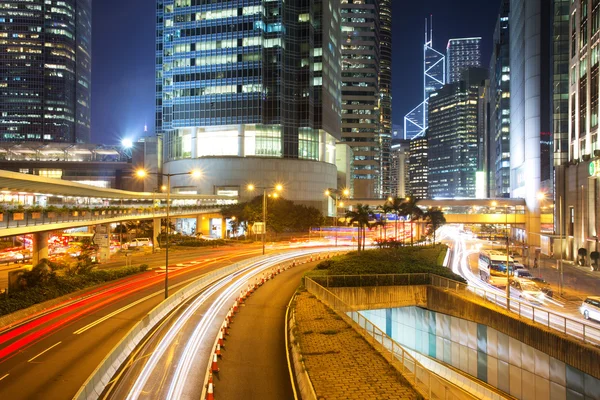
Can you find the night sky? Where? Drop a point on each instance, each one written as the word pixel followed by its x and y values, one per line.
pixel 123 57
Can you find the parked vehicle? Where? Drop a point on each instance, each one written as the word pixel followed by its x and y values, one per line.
pixel 590 308
pixel 139 242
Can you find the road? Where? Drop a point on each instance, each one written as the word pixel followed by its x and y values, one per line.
pixel 556 313
pixel 171 362
pixel 51 355
pixel 254 364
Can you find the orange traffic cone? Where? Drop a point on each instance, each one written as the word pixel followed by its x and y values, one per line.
pixel 235 307
pixel 214 367
pixel 220 341
pixel 218 350
pixel 210 395
pixel 210 380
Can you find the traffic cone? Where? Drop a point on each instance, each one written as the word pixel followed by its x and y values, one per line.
pixel 220 341
pixel 235 307
pixel 218 350
pixel 210 380
pixel 210 395
pixel 214 367
pixel 226 327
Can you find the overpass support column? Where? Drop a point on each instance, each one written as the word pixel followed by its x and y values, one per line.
pixel 39 247
pixel 224 228
pixel 156 229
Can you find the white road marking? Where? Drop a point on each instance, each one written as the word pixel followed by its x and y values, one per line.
pixel 48 349
pixel 4 376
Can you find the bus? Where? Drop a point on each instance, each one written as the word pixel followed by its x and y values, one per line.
pixel 492 266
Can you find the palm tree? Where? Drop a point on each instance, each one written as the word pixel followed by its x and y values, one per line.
pixel 360 215
pixel 435 218
pixel 411 209
pixel 396 206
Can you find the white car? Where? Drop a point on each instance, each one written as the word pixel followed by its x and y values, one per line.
pixel 139 242
pixel 529 290
pixel 590 308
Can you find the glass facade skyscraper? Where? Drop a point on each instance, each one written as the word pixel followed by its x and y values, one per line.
pixel 500 105
pixel 45 70
pixel 244 81
pixel 385 94
pixel 453 135
pixel 434 78
pixel 361 116
pixel 461 54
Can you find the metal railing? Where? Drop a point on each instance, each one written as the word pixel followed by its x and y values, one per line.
pixel 429 384
pixel 522 309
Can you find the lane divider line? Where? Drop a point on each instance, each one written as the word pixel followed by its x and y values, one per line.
pixel 4 376
pixel 48 349
pixel 287 347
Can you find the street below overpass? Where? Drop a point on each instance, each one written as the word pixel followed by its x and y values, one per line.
pixel 50 355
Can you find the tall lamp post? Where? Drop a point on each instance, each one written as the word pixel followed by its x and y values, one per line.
pixel 141 173
pixel 337 196
pixel 278 188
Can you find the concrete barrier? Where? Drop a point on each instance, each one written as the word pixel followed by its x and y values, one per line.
pixel 373 297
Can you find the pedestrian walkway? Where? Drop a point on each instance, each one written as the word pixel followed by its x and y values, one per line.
pixel 340 363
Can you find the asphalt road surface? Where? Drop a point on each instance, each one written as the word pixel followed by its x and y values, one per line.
pixel 50 356
pixel 254 363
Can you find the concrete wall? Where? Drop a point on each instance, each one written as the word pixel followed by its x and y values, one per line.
pixel 367 298
pixel 304 181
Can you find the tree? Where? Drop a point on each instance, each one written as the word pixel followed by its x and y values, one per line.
pixel 435 218
pixel 396 206
pixel 410 208
pixel 360 215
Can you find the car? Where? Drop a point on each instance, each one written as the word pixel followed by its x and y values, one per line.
pixel 139 242
pixel 529 290
pixel 544 286
pixel 522 274
pixel 518 265
pixel 590 308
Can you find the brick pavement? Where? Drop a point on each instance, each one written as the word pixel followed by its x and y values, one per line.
pixel 340 363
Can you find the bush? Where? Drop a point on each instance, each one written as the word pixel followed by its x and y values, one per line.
pixel 144 267
pixel 189 242
pixel 55 286
pixel 403 260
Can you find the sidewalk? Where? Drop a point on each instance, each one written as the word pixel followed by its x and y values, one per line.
pixel 340 363
pixel 579 282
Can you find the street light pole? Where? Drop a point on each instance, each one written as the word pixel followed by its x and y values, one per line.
pixel 167 230
pixel 507 259
pixel 264 219
pixel 335 221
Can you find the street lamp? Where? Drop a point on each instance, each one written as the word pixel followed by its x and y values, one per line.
pixel 278 187
pixel 142 173
pixel 337 195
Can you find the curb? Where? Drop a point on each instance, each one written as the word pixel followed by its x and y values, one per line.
pixel 305 385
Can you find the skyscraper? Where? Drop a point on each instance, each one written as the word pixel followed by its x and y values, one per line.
pixel 361 116
pixel 385 94
pixel 453 136
pixel 418 169
pixel 434 77
pixel 461 54
pixel 530 106
pixel 400 176
pixel 45 71
pixel 500 105
pixel 249 92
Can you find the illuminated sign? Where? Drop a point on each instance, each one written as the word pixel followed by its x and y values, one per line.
pixel 594 168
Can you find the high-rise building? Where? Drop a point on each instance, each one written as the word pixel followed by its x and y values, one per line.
pixel 531 166
pixel 249 92
pixel 500 106
pixel 453 136
pixel 400 176
pixel 434 77
pixel 578 188
pixel 361 117
pixel 461 54
pixel 385 94
pixel 418 168
pixel 45 71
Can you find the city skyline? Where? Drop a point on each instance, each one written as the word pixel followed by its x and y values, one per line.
pixel 123 101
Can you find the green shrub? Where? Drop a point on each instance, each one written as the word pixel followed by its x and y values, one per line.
pixel 144 267
pixel 54 286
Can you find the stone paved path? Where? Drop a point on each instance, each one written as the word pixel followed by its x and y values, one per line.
pixel 340 363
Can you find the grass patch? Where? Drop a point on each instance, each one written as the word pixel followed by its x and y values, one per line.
pixel 403 260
